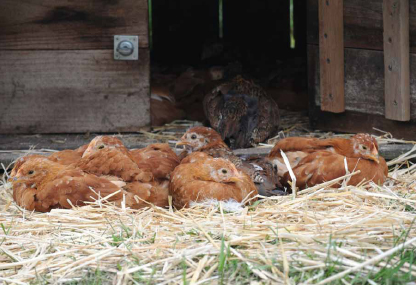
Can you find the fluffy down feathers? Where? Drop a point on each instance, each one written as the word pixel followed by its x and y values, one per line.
pixel 159 159
pixel 315 161
pixel 322 166
pixel 208 141
pixel 108 156
pixel 209 178
pixel 42 185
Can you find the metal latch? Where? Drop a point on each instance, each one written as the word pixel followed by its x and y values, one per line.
pixel 126 47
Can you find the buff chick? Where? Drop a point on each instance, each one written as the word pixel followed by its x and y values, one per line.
pixel 158 158
pixel 107 155
pixel 43 185
pixel 315 161
pixel 209 178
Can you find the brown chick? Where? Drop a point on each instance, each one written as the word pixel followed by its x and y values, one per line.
pixel 207 140
pixel 242 113
pixel 42 185
pixel 315 161
pixel 107 155
pixel 322 166
pixel 22 160
pixel 157 158
pixel 297 148
pixel 210 178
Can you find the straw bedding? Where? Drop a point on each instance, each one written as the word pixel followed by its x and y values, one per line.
pixel 323 236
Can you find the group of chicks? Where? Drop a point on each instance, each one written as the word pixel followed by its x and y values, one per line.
pixel 206 169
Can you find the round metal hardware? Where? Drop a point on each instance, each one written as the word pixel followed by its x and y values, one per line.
pixel 125 48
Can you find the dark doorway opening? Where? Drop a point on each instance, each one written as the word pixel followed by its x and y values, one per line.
pixel 263 40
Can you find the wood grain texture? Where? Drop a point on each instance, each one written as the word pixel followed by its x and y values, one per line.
pixel 21 142
pixel 70 25
pixel 364 80
pixel 396 59
pixel 355 122
pixel 72 91
pixel 331 54
pixel 364 96
pixel 363 24
pixel 390 151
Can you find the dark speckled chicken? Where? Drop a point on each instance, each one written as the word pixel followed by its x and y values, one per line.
pixel 242 113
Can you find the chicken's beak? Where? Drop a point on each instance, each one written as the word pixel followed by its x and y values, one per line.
pixel 235 179
pixel 182 143
pixel 14 180
pixel 374 154
pixel 373 157
pixel 374 151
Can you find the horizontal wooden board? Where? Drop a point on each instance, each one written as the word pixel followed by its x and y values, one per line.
pixel 19 143
pixel 355 122
pixel 72 91
pixel 70 25
pixel 364 80
pixel 389 151
pixel 363 24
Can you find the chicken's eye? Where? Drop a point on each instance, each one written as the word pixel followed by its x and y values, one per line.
pixel 364 147
pixel 224 171
pixel 193 137
pixel 101 146
pixel 31 172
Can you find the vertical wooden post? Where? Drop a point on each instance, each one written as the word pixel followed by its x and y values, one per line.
pixel 396 59
pixel 331 54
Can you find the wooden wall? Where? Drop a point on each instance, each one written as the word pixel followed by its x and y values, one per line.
pixel 364 71
pixel 57 72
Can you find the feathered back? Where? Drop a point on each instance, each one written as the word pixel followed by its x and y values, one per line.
pixel 157 158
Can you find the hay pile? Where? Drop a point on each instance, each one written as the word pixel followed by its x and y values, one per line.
pixel 324 236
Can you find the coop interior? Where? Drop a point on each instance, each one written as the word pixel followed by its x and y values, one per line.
pixel 196 45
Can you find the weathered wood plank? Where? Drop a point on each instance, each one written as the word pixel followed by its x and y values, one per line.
pixel 331 54
pixel 63 141
pixel 70 25
pixel 356 122
pixel 72 91
pixel 364 80
pixel 363 24
pixel 396 59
